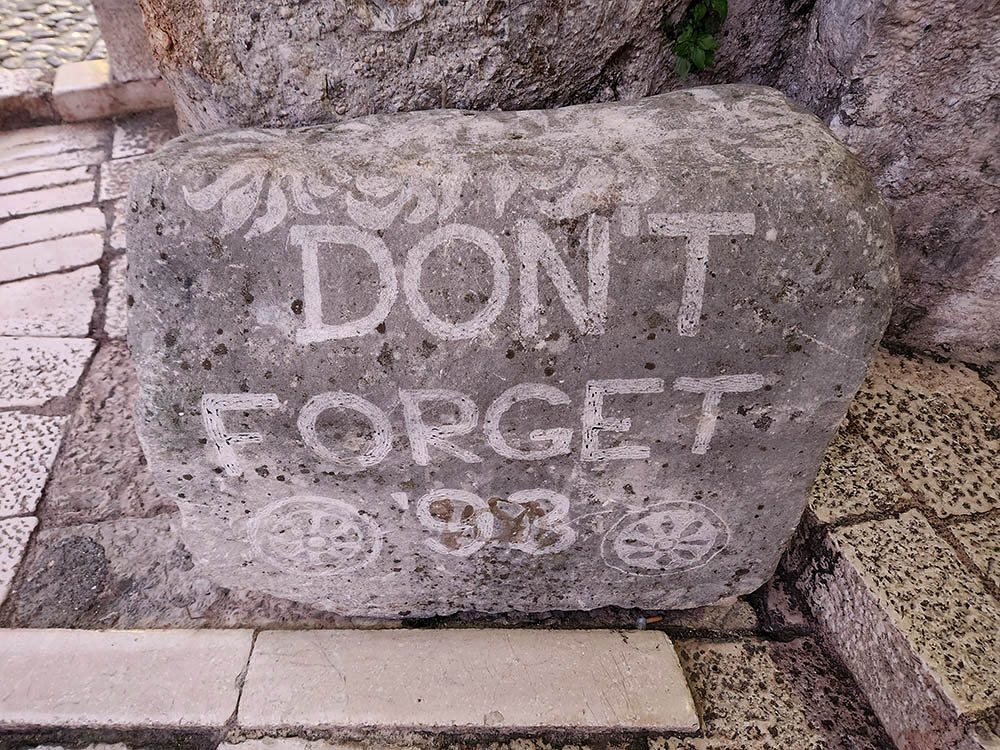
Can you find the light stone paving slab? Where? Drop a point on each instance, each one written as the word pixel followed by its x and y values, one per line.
pixel 34 370
pixel 14 535
pixel 153 678
pixel 466 678
pixel 28 447
pixel 116 310
pixel 937 426
pixel 49 256
pixel 61 160
pixel 117 239
pixel 86 91
pixel 758 695
pixel 47 199
pixel 34 180
pixel 143 133
pixel 50 226
pixel 55 305
pixel 914 626
pixel 50 139
pixel 116 176
pixel 980 538
pixel 853 481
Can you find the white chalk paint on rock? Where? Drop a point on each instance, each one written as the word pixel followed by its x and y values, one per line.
pixel 538 360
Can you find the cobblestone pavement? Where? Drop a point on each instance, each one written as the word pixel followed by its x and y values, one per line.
pixel 47 33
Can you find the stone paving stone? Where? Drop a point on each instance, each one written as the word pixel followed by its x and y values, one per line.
pixel 101 473
pixel 85 90
pixel 980 538
pixel 853 481
pixel 738 615
pixel 46 199
pixel 55 305
pixel 85 678
pixel 917 629
pixel 52 147
pixel 117 238
pixel 136 573
pixel 116 176
pixel 143 133
pixel 466 678
pixel 937 426
pixel 51 178
pixel 61 32
pixel 60 160
pixel 49 226
pixel 116 310
pixel 14 534
pixel 34 370
pixel 25 95
pixel 50 255
pixel 28 446
pixel 759 695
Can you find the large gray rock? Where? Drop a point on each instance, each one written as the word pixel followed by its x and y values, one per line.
pixel 420 363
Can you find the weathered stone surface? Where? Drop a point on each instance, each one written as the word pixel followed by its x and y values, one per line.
pixel 521 408
pixel 474 678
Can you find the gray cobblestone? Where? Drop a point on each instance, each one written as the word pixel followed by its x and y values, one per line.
pixel 47 34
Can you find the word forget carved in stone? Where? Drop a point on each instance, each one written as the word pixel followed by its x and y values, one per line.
pixel 537 360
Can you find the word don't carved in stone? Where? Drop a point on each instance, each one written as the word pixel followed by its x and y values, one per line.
pixel 415 364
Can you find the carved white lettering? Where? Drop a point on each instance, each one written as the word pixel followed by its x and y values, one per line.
pixel 697 228
pixel 309 239
pixel 423 435
pixel 713 388
pixel 558 438
pixel 381 438
pixel 413 271
pixel 535 250
pixel 212 406
pixel 594 420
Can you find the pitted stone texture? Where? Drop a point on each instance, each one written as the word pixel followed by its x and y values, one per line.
pixel 116 176
pixel 853 481
pixel 49 256
pixel 162 678
pixel 101 473
pixel 938 427
pixel 756 695
pixel 143 133
pixel 50 226
pixel 372 524
pixel 980 538
pixel 136 573
pixel 34 370
pixel 56 305
pixel 915 627
pixel 115 312
pixel 14 535
pixel 28 445
pixel 476 678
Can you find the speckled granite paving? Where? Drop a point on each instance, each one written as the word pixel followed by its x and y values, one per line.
pixel 47 33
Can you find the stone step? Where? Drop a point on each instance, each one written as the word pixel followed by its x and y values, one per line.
pixel 901 561
pixel 423 679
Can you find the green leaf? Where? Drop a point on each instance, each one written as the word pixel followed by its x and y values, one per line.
pixel 687 35
pixel 699 12
pixel 698 57
pixel 721 7
pixel 707 42
pixel 682 67
pixel 709 59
